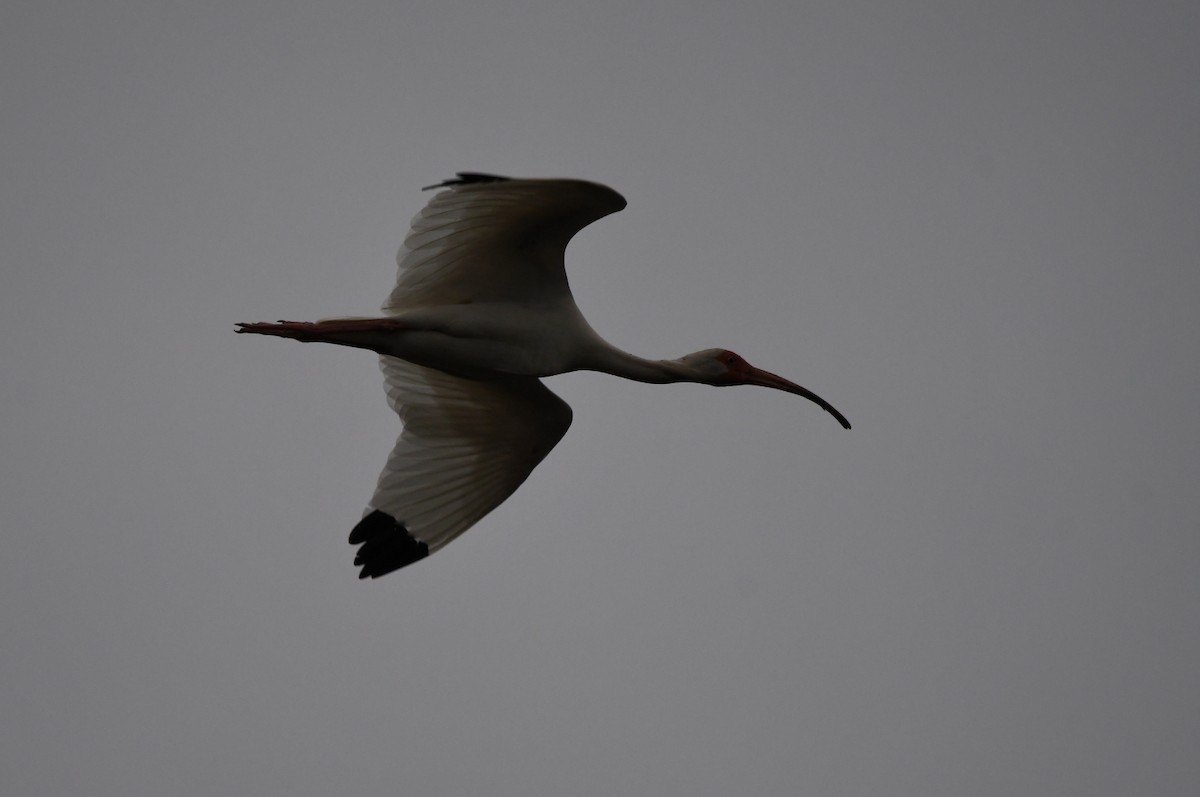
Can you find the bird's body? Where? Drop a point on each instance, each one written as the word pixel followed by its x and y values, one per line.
pixel 481 310
pixel 481 340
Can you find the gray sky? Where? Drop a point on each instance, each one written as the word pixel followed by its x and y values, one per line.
pixel 970 226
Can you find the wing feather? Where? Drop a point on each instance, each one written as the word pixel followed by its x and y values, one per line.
pixel 467 445
pixel 486 239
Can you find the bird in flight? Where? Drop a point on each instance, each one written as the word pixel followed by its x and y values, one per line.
pixel 480 312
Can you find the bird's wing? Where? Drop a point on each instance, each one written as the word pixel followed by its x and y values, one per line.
pixel 494 239
pixel 466 447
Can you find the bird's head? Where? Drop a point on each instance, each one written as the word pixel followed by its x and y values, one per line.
pixel 722 367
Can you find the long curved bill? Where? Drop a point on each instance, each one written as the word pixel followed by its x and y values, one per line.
pixel 758 376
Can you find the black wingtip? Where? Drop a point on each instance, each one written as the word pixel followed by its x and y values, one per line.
pixel 467 178
pixel 386 545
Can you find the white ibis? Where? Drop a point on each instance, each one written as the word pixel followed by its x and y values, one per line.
pixel 481 310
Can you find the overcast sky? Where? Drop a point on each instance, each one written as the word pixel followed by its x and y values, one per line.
pixel 971 226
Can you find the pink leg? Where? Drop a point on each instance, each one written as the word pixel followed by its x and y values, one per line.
pixel 336 330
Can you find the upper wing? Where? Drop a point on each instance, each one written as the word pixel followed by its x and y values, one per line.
pixel 490 238
pixel 466 446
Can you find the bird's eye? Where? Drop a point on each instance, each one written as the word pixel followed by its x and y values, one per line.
pixel 730 360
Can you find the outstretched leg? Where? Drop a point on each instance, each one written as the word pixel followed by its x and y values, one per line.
pixel 363 333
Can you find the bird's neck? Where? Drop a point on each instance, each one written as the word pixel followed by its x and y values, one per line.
pixel 611 360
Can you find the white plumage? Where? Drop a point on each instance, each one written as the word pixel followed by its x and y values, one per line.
pixel 481 309
pixel 467 445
